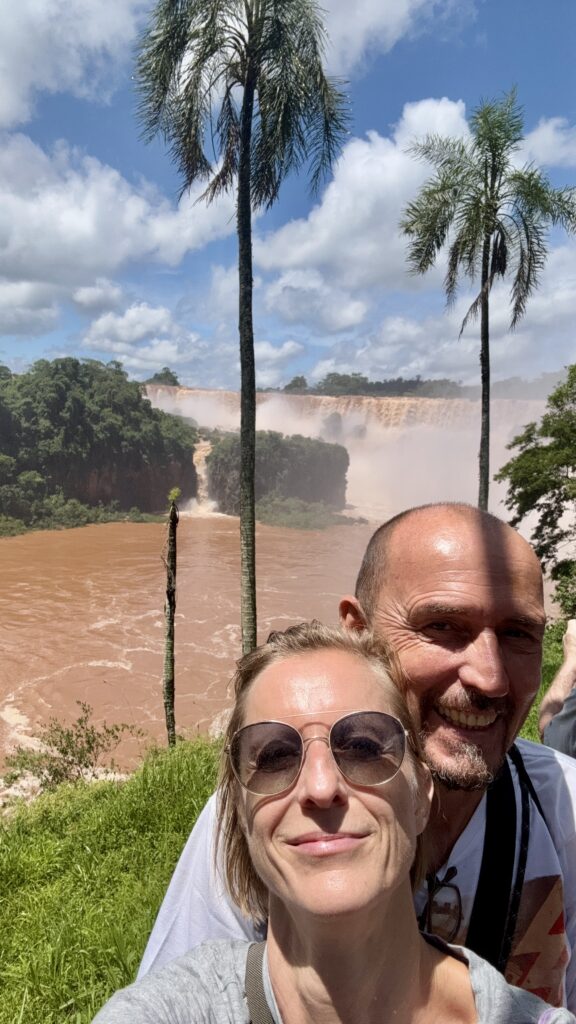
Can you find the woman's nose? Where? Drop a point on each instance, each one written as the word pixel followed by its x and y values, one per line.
pixel 320 782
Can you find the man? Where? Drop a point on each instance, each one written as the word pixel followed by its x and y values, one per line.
pixel 458 594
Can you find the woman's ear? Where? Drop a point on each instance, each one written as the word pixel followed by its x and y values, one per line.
pixel 424 794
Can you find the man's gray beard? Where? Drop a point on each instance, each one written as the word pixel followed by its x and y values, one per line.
pixel 467 771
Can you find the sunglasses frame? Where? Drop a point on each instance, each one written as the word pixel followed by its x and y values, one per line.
pixel 325 739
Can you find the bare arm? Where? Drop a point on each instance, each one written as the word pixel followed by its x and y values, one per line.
pixel 563 682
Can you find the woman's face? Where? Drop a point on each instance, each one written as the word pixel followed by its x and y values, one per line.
pixel 327 846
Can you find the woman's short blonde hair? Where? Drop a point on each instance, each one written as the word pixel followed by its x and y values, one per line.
pixel 244 885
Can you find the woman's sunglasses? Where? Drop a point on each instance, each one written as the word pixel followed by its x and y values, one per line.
pixel 367 746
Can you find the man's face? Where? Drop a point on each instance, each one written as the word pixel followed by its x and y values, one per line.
pixel 461 604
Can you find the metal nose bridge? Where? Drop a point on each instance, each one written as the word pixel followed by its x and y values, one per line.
pixel 311 739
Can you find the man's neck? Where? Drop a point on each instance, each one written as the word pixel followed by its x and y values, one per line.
pixel 451 812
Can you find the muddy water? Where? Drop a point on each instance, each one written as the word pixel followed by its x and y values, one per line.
pixel 81 616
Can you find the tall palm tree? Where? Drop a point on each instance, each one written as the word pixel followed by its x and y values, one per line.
pixel 238 91
pixel 494 216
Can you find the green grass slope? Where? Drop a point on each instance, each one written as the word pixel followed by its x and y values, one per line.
pixel 83 872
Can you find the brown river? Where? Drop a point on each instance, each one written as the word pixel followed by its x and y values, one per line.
pixel 81 611
pixel 81 616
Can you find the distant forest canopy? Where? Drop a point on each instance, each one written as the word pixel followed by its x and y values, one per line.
pixel 303 468
pixel 336 384
pixel 78 435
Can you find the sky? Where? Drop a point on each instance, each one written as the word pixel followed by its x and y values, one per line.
pixel 101 259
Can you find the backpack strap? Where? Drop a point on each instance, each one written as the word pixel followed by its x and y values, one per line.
pixel 488 921
pixel 255 996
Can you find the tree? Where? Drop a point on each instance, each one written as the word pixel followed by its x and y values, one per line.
pixel 297 386
pixel 238 91
pixel 169 616
pixel 494 216
pixel 542 479
pixel 164 376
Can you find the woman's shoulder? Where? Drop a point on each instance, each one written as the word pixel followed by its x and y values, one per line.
pixel 205 986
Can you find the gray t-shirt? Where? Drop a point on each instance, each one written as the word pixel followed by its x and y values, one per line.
pixel 206 986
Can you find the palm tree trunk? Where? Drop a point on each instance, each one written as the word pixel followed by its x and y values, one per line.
pixel 169 614
pixel 484 454
pixel 247 378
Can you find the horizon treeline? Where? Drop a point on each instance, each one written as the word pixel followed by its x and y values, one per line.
pixel 337 384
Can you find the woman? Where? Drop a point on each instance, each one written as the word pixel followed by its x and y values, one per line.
pixel 324 800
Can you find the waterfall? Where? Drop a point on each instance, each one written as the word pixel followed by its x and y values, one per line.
pixel 403 451
pixel 201 505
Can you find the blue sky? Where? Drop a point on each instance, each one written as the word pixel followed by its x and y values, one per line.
pixel 99 259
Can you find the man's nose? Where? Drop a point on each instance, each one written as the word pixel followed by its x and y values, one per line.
pixel 482 666
pixel 320 782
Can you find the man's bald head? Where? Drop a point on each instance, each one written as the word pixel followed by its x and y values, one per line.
pixel 372 575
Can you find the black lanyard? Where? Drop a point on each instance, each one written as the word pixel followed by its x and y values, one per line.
pixel 498 894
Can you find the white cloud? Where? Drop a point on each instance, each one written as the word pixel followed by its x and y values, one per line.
pixel 375 27
pixel 271 361
pixel 101 295
pixel 352 236
pixel 552 143
pixel 304 296
pixel 26 308
pixel 406 346
pixel 66 218
pixel 75 46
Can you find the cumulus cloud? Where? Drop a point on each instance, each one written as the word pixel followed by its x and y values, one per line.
pixel 101 295
pixel 352 236
pixel 67 218
pixel 300 296
pixel 74 46
pixel 26 308
pixel 407 345
pixel 551 143
pixel 376 27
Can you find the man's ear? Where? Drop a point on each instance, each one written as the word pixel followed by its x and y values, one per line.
pixel 424 796
pixel 351 614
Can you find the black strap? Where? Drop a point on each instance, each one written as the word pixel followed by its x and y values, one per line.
pixel 257 1003
pixel 488 920
pixel 525 780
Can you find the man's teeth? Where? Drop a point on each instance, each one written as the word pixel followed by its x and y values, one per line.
pixel 468 719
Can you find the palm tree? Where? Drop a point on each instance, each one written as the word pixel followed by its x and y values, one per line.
pixel 238 91
pixel 494 216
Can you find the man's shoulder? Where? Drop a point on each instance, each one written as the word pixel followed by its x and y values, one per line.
pixel 542 762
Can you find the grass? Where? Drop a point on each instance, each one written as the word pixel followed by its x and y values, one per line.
pixel 83 872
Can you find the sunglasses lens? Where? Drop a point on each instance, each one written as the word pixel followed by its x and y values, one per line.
pixel 368 747
pixel 266 757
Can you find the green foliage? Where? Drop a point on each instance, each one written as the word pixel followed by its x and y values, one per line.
pixel 83 873
pixel 552 657
pixel 542 479
pixel 79 434
pixel 68 753
pixel 289 467
pixel 274 510
pixel 164 376
pixel 492 216
pixel 296 386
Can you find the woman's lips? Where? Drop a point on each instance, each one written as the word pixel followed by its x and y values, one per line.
pixel 323 844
